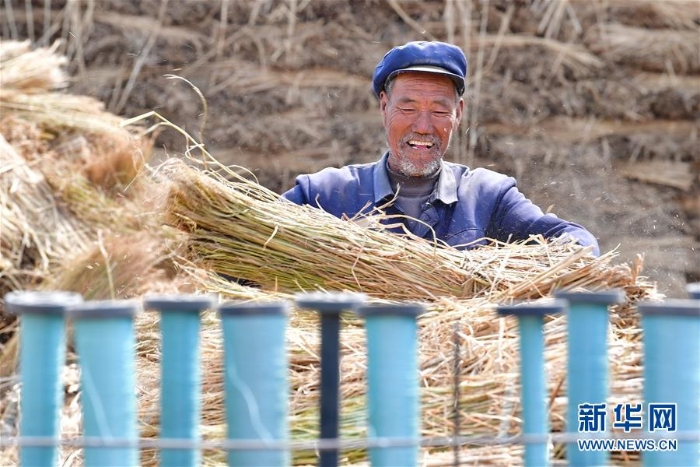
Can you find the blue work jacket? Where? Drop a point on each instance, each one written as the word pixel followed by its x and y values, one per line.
pixel 467 206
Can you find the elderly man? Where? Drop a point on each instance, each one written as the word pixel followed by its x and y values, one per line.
pixel 420 86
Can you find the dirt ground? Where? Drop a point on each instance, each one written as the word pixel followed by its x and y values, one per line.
pixel 594 106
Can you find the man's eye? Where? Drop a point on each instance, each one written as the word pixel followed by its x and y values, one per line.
pixel 407 109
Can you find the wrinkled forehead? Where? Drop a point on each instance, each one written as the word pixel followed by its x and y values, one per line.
pixel 421 84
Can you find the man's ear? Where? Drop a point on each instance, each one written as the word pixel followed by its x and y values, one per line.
pixel 383 102
pixel 460 110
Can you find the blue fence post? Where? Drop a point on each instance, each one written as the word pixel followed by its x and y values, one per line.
pixel 42 357
pixel 693 290
pixel 587 364
pixel 180 372
pixel 255 379
pixel 104 338
pixel 533 377
pixel 330 306
pixel 671 337
pixel 392 379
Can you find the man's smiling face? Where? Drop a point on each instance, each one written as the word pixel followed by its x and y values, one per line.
pixel 419 114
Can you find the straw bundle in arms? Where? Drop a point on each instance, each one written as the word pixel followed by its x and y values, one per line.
pixel 243 230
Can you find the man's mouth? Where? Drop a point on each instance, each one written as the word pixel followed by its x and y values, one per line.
pixel 417 144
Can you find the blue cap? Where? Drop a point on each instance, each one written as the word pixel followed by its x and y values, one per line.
pixel 428 57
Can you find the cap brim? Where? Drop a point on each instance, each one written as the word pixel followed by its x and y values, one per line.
pixel 458 80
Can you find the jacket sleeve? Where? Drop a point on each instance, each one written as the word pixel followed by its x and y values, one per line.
pixel 299 194
pixel 517 218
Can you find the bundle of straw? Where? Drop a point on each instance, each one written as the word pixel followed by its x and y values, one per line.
pixel 30 79
pixel 72 133
pixel 27 71
pixel 240 229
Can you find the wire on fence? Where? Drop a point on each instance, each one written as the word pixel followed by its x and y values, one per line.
pixel 338 443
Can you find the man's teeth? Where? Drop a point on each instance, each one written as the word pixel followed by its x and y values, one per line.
pixel 422 144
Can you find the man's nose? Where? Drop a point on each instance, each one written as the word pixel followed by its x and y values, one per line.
pixel 422 123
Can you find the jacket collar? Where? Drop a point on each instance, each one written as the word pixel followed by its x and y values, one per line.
pixel 446 186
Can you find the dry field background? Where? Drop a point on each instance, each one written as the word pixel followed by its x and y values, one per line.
pixel 593 105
